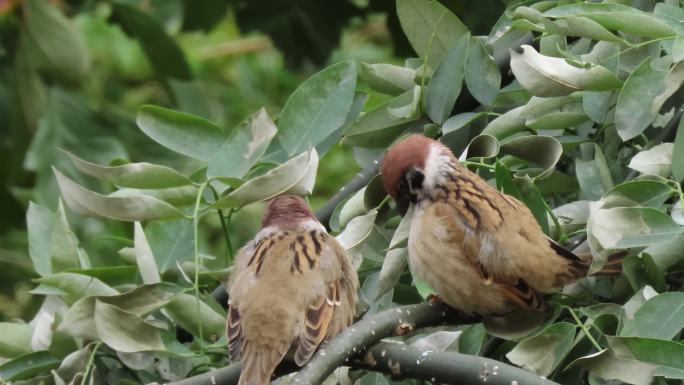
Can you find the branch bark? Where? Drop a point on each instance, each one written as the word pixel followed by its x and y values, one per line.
pixel 370 330
pixel 401 361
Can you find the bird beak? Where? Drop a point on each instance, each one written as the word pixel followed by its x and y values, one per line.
pixel 403 203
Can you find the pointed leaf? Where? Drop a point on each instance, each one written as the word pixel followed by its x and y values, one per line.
pixel 482 76
pixel 124 331
pixel 446 82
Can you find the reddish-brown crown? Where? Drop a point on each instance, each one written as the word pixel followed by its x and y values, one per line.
pixel 410 152
pixel 286 210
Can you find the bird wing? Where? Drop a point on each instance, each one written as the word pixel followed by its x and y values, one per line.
pixel 333 308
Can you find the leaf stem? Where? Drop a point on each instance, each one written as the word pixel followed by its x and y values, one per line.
pixel 195 216
pixel 89 365
pixel 584 328
pixel 225 221
pixel 478 164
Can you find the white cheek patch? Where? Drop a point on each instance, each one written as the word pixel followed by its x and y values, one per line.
pixel 437 167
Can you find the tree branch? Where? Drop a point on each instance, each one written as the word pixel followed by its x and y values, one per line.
pixel 401 361
pixel 367 332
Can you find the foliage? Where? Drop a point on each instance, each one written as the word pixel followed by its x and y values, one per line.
pixel 586 134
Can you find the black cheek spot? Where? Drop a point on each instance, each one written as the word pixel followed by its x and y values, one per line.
pixel 417 179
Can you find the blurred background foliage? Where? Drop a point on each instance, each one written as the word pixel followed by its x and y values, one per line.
pixel 74 73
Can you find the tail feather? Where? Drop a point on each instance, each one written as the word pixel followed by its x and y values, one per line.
pixel 258 365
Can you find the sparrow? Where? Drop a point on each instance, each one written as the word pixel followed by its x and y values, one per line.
pixel 291 287
pixel 480 250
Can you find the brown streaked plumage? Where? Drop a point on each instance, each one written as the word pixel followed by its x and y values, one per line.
pixel 482 251
pixel 293 286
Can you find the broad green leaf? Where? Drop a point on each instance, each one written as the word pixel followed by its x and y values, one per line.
pixel 134 175
pixel 570 115
pixel 660 317
pixel 28 366
pixel 678 49
pixel 72 286
pixel 678 153
pixel 54 44
pixel 15 339
pixel 113 276
pixel 483 146
pixel 144 257
pixel 597 105
pixel 245 146
pixel 379 127
pixel 592 172
pixel 544 151
pixel 186 312
pixel 445 85
pixel 317 108
pixel 608 366
pixel 550 76
pixel 388 79
pixel 430 28
pixel 171 242
pixel 617 17
pixel 641 271
pixel 65 253
pixel 175 196
pixel 162 51
pixel 667 254
pixel 542 353
pixel 125 331
pixel 509 123
pixel 396 258
pixel 654 161
pixel 296 176
pixel 471 339
pixel 622 227
pixel 79 320
pixel 352 207
pixel 645 192
pixel 183 133
pixel 131 208
pixel 457 122
pixel 482 75
pixel 519 324
pixel 569 26
pixel 666 355
pixel 356 231
pixel 39 224
pixel 643 94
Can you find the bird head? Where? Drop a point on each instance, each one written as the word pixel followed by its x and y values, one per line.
pixel 413 167
pixel 287 211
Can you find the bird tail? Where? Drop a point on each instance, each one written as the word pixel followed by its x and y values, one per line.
pixel 258 364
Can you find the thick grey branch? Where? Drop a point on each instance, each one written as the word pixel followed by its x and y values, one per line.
pixel 401 361
pixel 367 332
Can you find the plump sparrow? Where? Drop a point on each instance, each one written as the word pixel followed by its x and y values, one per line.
pixel 480 250
pixel 292 286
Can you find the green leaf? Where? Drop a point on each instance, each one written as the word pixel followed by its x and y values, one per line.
pixel 53 43
pixel 183 133
pixel 131 208
pixel 542 353
pixel 317 108
pixel 622 227
pixel 483 146
pixel 430 28
pixel 641 270
pixel 643 94
pixel 654 161
pixel 482 75
pixel 660 317
pixel 617 17
pixel 544 151
pixel 667 355
pixel 388 79
pixel 164 54
pixel 507 124
pixel 39 223
pixel 592 172
pixel 597 105
pixel 357 231
pixel 144 257
pixel 245 146
pixel 296 176
pixel 65 252
pixel 134 175
pixel 458 122
pixel 678 153
pixel 550 76
pixel 608 366
pixel 15 339
pixel 124 331
pixel 28 366
pixel 644 192
pixel 186 312
pixel 396 258
pixel 379 127
pixel 471 339
pixel 446 82
pixel 72 286
pixel 172 242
